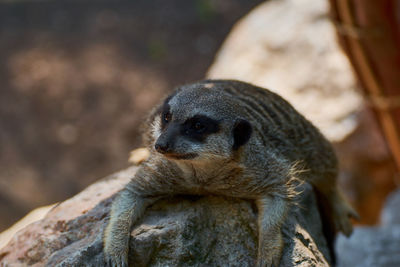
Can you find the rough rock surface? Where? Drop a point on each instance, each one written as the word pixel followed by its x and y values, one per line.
pixel 374 246
pixel 181 231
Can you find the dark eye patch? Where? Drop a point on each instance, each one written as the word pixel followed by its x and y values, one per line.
pixel 165 111
pixel 199 127
pixel 166 115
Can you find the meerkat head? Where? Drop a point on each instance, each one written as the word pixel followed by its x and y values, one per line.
pixel 199 123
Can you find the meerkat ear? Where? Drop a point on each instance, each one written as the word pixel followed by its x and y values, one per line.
pixel 241 133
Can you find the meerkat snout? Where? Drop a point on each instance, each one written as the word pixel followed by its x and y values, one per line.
pixel 164 143
pixel 162 147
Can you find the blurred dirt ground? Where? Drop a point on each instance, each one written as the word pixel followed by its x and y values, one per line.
pixel 78 78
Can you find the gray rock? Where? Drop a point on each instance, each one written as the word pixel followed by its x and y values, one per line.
pixel 374 246
pixel 391 212
pixel 370 247
pixel 180 231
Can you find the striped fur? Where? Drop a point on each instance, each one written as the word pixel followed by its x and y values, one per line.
pixel 281 150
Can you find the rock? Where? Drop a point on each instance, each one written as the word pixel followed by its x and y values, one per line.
pixel 370 247
pixel 290 47
pixel 180 231
pixel 374 246
pixel 34 244
pixel 33 216
pixel 139 155
pixel 390 214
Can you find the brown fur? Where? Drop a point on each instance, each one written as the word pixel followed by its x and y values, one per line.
pixel 283 150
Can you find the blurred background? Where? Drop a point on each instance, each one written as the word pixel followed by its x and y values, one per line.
pixel 77 80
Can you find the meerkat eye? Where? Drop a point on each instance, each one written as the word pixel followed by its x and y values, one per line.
pixel 198 126
pixel 167 116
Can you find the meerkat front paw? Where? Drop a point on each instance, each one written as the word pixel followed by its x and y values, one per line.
pixel 115 248
pixel 342 212
pixel 115 257
pixel 270 250
pixel 270 261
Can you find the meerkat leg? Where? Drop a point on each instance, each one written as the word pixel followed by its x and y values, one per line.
pixel 127 208
pixel 342 211
pixel 272 213
pixel 340 208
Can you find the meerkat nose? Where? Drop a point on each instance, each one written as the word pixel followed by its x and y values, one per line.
pixel 162 147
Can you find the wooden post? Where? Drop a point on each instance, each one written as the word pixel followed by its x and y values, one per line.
pixel 369 32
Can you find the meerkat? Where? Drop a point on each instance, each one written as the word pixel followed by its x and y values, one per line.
pixel 229 138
